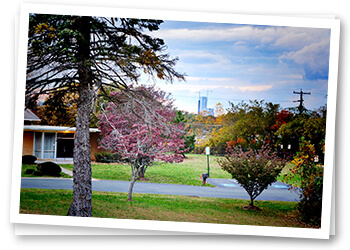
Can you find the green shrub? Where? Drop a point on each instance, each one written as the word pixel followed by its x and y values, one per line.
pixel 29 171
pixel 310 205
pixel 28 159
pixel 107 157
pixel 49 168
pixel 37 173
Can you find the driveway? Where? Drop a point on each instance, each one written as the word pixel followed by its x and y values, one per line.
pixel 225 188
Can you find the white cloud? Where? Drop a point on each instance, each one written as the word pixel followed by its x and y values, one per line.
pixel 314 56
pixel 242 33
pixel 212 79
pixel 296 38
pixel 256 88
pixel 196 84
pixel 295 76
pixel 203 57
pixel 283 37
pixel 188 87
pixel 239 43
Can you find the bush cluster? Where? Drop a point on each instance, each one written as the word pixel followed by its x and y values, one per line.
pixel 49 168
pixel 310 205
pixel 45 168
pixel 28 159
pixel 37 173
pixel 107 157
pixel 29 171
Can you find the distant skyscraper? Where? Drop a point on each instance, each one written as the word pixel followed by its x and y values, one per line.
pixel 204 101
pixel 202 106
pixel 199 106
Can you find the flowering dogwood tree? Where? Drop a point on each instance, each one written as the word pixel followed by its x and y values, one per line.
pixel 142 138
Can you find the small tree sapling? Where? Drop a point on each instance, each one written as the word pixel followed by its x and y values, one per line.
pixel 254 169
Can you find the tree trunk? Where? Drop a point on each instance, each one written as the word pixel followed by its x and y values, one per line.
pixel 142 172
pixel 82 188
pixel 251 202
pixel 131 186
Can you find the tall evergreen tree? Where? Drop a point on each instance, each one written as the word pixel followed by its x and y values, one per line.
pixel 190 139
pixel 85 55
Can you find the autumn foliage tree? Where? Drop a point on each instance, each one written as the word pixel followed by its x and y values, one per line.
pixel 84 55
pixel 254 169
pixel 59 109
pixel 311 126
pixel 142 138
pixel 248 124
pixel 311 185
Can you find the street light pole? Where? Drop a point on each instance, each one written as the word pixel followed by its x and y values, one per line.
pixel 207 152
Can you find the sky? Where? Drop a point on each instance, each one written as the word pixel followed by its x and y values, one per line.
pixel 234 62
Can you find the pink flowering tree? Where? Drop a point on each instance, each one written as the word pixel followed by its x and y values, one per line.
pixel 142 138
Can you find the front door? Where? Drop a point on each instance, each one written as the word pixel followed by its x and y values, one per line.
pixel 65 145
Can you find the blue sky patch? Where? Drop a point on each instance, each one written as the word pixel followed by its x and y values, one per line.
pixel 234 62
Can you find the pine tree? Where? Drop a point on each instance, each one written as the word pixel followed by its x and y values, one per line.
pixel 86 55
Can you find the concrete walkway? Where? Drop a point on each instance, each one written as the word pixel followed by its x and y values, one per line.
pixel 66 171
pixel 225 188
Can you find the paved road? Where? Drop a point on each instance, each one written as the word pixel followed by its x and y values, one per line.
pixel 225 188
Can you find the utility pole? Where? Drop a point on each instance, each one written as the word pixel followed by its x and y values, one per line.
pixel 301 93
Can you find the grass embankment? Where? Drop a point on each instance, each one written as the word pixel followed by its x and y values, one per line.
pixel 185 173
pixel 163 208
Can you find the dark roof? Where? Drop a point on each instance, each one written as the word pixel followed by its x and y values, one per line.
pixel 30 116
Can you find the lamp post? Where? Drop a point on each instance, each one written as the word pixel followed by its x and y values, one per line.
pixel 204 176
pixel 207 152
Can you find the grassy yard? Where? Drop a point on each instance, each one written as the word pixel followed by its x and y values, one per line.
pixel 186 172
pixel 163 208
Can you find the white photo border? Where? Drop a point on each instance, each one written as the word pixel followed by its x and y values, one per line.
pixel 332 24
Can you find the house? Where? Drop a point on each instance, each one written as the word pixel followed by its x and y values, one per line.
pixel 53 143
pixel 30 117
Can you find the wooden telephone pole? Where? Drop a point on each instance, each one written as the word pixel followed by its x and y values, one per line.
pixel 301 93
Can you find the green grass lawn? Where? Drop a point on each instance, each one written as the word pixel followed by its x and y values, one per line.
pixel 186 173
pixel 163 208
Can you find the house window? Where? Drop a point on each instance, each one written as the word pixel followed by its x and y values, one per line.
pixel 49 145
pixel 38 144
pixel 44 145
